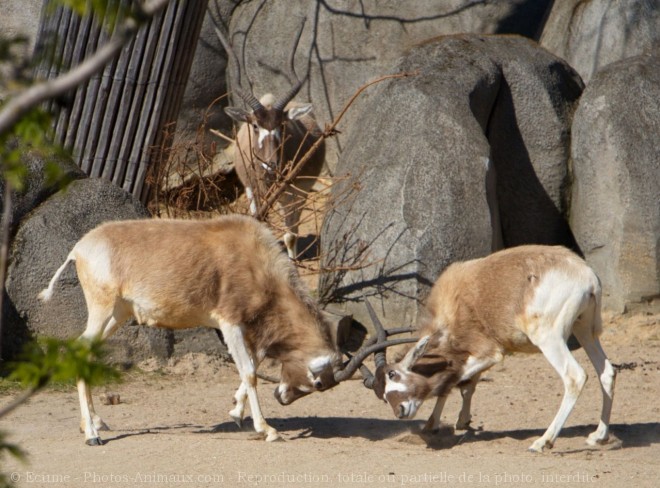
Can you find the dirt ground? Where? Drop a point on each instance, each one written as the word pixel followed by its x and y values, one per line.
pixel 172 428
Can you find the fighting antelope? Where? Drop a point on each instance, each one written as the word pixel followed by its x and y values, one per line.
pixel 274 136
pixel 228 274
pixel 523 299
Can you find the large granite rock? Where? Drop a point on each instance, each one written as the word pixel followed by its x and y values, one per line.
pixel 37 186
pixel 590 35
pixel 42 242
pixel 467 155
pixel 615 210
pixel 349 43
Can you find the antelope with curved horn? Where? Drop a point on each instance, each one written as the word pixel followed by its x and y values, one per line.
pixel 523 299
pixel 274 136
pixel 228 274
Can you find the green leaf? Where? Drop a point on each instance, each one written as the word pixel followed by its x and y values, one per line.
pixel 107 12
pixel 55 360
pixel 15 174
pixel 33 131
pixel 11 449
pixel 81 7
pixel 55 175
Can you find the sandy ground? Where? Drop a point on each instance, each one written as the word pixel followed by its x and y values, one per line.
pixel 172 428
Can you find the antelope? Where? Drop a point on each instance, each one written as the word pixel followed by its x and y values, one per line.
pixel 523 299
pixel 271 141
pixel 228 274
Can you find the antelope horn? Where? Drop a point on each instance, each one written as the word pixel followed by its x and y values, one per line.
pixel 389 332
pixel 375 345
pixel 379 357
pixel 352 365
pixel 281 103
pixel 248 98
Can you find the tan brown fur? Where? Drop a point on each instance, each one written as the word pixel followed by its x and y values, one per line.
pixel 199 258
pixel 479 303
pixel 524 299
pixel 297 138
pixel 299 135
pixel 228 273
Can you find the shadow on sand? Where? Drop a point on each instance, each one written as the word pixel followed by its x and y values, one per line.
pixel 624 435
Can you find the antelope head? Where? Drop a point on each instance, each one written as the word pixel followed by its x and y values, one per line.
pixel 268 117
pixel 420 374
pixel 267 122
pixel 300 378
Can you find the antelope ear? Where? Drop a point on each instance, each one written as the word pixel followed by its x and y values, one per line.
pixel 416 352
pixel 295 113
pixel 237 113
pixel 430 365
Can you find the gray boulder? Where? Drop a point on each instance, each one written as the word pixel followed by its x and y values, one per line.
pixel 350 43
pixel 41 245
pixel 206 83
pixel 615 210
pixel 529 135
pixel 466 156
pixel 21 19
pixel 37 186
pixel 590 35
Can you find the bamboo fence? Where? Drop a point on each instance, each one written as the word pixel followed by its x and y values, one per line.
pixel 114 125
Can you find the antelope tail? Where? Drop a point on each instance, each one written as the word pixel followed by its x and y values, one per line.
pixel 47 293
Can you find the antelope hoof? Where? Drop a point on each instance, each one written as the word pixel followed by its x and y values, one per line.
pixel 431 428
pixel 463 425
pixel 94 441
pixel 274 436
pixel 238 420
pixel 539 445
pixel 595 439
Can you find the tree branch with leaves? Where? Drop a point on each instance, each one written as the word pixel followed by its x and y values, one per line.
pixel 21 120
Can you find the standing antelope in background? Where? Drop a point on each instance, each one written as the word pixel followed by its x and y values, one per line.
pixel 228 274
pixel 272 139
pixel 523 299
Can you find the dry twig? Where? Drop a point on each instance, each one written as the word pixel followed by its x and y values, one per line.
pixel 330 130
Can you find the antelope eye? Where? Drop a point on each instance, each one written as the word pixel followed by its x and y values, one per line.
pixel 318 384
pixel 391 374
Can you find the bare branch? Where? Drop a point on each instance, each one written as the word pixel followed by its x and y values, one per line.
pixel 222 136
pixel 329 131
